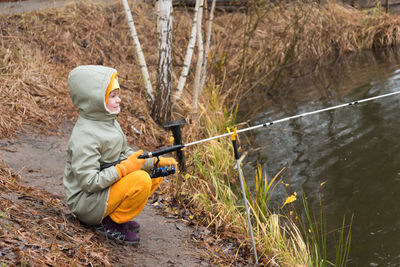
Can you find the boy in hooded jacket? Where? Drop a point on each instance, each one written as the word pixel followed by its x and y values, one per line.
pixel 112 197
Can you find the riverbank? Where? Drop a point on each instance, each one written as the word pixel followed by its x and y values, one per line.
pixel 258 52
pixel 37 228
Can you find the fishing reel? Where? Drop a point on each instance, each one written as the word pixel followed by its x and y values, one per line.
pixel 162 172
pixel 157 172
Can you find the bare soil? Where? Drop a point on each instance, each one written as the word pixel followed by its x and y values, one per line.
pixel 39 160
pixel 12 7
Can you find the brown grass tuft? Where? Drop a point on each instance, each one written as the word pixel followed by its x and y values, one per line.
pixel 37 229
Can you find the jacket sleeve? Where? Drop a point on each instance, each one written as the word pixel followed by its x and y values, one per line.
pixel 85 164
pixel 127 152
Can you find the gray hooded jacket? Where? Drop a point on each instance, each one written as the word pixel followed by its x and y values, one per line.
pixel 96 138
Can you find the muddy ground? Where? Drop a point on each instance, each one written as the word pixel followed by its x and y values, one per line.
pixel 13 7
pixel 39 160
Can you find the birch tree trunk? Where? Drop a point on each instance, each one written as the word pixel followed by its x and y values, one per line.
pixel 139 53
pixel 208 41
pixel 161 110
pixel 189 53
pixel 200 56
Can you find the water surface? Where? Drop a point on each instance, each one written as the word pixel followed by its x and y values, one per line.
pixel 354 151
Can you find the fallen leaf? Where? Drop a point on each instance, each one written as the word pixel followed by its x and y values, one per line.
pixel 289 200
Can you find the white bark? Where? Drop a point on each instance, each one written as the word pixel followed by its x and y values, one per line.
pixel 200 56
pixel 161 110
pixel 189 53
pixel 164 28
pixel 139 53
pixel 208 41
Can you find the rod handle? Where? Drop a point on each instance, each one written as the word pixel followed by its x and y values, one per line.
pixel 161 151
pixel 234 143
pixel 235 149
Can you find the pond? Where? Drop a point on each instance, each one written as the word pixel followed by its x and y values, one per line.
pixel 347 159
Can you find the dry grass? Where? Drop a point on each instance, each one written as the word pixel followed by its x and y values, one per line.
pixel 38 49
pixel 36 230
pixel 267 46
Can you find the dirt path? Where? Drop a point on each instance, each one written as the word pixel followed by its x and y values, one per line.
pixel 31 5
pixel 40 161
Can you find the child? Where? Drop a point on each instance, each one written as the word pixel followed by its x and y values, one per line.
pixel 109 198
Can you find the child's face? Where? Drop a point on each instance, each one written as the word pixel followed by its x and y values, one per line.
pixel 113 101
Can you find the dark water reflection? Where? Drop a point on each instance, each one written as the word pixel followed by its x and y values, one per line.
pixel 355 150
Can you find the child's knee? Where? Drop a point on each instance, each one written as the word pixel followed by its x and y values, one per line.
pixel 140 179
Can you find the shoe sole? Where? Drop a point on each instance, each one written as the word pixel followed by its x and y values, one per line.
pixel 110 236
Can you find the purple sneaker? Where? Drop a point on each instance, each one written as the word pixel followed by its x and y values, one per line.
pixel 133 226
pixel 118 232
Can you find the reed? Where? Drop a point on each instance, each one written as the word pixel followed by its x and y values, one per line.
pixel 315 234
pixel 277 235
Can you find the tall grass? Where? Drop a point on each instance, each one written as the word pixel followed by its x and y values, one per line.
pixel 276 233
pixel 213 182
pixel 315 233
pixel 295 242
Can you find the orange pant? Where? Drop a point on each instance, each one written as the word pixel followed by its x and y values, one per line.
pixel 129 195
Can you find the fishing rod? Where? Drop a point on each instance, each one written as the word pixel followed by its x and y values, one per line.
pixel 178 147
pixel 175 127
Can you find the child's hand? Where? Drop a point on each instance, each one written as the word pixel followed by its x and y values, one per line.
pixel 131 164
pixel 167 162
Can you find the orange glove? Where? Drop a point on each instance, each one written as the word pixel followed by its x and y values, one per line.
pixel 131 164
pixel 167 162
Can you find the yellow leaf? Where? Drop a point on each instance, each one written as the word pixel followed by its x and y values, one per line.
pixel 323 183
pixel 287 185
pixel 171 139
pixel 291 213
pixel 290 199
pixel 191 217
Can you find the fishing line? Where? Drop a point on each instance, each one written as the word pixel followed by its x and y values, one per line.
pixel 266 124
pixel 292 118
